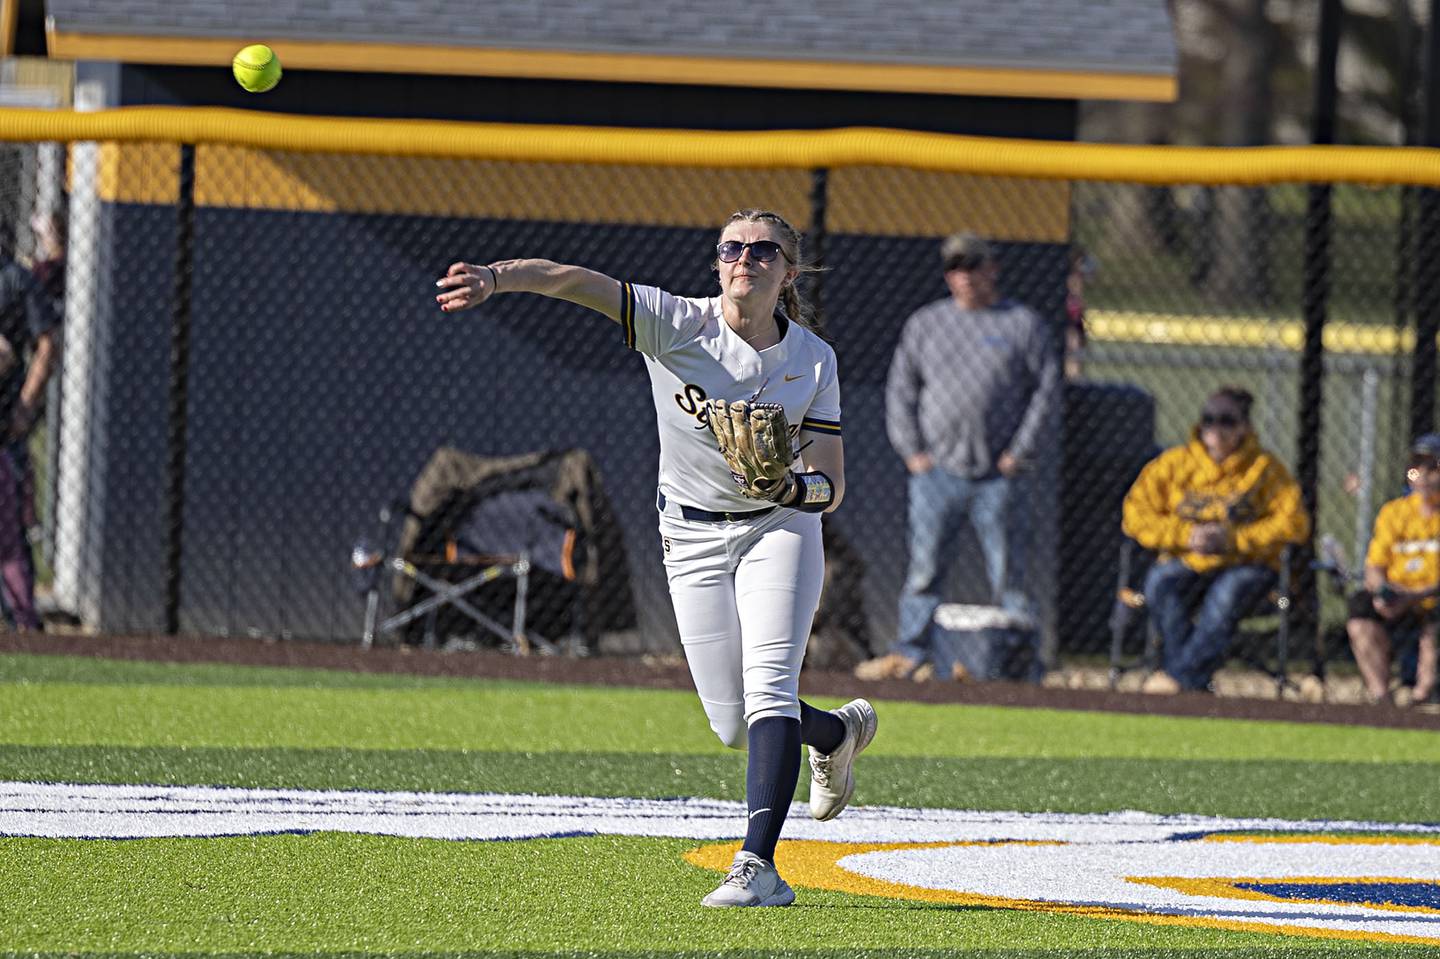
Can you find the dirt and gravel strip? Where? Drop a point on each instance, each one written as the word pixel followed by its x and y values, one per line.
pixel 1072 689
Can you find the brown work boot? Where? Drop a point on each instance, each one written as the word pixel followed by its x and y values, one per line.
pixel 927 672
pixel 889 666
pixel 1160 683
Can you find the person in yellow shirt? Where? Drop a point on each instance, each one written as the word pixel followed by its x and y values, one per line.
pixel 1402 572
pixel 1219 510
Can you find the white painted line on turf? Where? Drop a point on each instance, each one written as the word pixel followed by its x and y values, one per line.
pixel 118 812
pixel 1340 878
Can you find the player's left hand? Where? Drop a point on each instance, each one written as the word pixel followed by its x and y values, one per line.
pixel 466 285
pixel 755 440
pixel 1008 464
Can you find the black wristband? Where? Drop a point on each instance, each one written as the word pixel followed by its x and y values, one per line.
pixel 494 278
pixel 814 492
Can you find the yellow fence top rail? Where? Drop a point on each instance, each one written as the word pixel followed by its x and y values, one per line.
pixel 1168 329
pixel 855 146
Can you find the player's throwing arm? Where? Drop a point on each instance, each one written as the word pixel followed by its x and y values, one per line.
pixel 469 284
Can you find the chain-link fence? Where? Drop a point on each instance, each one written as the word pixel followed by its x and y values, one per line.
pixel 260 423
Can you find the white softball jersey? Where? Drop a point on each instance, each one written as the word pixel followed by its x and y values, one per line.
pixel 693 355
pixel 745 591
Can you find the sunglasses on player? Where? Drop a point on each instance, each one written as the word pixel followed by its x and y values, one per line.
pixel 761 251
pixel 1226 420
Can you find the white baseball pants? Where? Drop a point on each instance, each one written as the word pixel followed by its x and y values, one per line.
pixel 745 595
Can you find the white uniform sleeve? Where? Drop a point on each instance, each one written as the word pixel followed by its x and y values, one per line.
pixel 823 416
pixel 656 322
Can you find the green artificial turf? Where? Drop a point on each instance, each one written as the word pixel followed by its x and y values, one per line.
pixel 85 720
pixel 1290 790
pixel 329 892
pixel 133 704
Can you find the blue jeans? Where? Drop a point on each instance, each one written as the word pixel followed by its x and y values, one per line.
pixel 1194 649
pixel 938 501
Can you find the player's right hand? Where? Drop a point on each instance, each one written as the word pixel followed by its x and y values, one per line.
pixel 465 285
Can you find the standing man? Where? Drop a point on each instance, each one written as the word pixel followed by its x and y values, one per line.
pixel 970 388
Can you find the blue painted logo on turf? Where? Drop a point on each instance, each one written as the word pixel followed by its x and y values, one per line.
pixel 1411 895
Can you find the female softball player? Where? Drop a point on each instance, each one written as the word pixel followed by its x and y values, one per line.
pixel 743 556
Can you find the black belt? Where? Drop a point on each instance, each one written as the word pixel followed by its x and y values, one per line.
pixel 709 516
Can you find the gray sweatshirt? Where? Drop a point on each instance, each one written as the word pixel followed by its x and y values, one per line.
pixel 968 385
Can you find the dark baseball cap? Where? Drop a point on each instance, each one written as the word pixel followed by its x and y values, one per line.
pixel 964 251
pixel 1427 445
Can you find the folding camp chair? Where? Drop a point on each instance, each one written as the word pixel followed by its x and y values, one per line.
pixel 506 535
pixel 1128 614
pixel 370 560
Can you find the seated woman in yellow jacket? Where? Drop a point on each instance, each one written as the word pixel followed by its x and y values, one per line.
pixel 1402 571
pixel 1219 510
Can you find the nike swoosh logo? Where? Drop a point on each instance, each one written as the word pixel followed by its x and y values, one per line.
pixel 759 811
pixel 797 376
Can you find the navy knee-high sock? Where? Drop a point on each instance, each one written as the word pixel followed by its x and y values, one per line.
pixel 770 778
pixel 821 729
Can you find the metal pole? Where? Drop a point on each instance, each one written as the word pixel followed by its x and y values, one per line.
pixel 179 386
pixel 1405 300
pixel 819 203
pixel 1314 302
pixel 1427 278
pixel 1365 495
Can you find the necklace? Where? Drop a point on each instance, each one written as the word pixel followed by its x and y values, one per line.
pixel 754 336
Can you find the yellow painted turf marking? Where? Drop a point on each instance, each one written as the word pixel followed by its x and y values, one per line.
pixel 815 865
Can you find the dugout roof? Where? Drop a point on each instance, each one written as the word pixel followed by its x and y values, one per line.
pixel 1061 49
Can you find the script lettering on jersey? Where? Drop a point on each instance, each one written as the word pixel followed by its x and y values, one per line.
pixel 692 401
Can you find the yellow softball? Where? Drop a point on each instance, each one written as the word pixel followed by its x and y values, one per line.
pixel 256 68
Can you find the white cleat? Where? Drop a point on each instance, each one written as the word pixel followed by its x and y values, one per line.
pixel 832 777
pixel 751 882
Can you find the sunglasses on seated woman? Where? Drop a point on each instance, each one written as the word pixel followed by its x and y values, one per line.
pixel 1228 420
pixel 762 251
